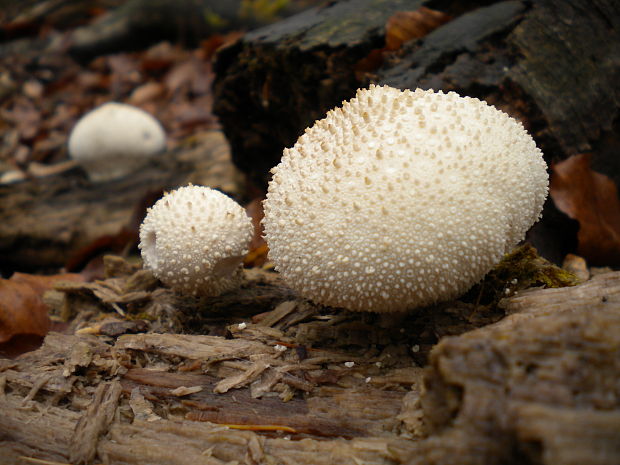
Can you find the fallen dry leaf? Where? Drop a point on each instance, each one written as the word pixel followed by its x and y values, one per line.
pixel 400 28
pixel 190 75
pixel 26 117
pixel 408 25
pixel 20 344
pixel 33 89
pixel 592 199
pixel 22 310
pixel 212 44
pixel 576 265
pixel 257 255
pixel 146 92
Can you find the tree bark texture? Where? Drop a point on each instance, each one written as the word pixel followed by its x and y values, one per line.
pixel 552 64
pixel 278 80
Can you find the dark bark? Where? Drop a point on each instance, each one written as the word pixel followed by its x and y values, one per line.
pixel 552 64
pixel 278 80
pixel 540 386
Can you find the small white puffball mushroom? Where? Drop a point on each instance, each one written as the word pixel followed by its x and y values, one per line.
pixel 115 139
pixel 401 199
pixel 194 240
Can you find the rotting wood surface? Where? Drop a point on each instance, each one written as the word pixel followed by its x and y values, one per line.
pixel 47 221
pixel 551 64
pixel 278 80
pixel 269 391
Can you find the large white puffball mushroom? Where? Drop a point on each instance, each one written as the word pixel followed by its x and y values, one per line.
pixel 401 199
pixel 194 240
pixel 114 140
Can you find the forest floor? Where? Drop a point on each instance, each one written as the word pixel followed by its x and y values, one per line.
pixel 100 363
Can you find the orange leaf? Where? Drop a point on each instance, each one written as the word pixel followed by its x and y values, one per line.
pixel 258 247
pixel 400 28
pixel 146 93
pixel 213 43
pixel 407 25
pixel 22 310
pixel 592 199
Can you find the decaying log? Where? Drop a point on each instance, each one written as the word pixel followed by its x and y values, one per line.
pixel 278 80
pixel 550 63
pixel 538 386
pixel 181 411
pixel 45 221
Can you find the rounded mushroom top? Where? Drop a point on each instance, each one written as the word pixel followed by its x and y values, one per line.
pixel 194 240
pixel 400 199
pixel 115 139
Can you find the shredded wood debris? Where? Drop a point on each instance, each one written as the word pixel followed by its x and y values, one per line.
pixel 350 382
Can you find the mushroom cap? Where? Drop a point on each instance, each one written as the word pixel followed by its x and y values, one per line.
pixel 194 240
pixel 401 199
pixel 114 140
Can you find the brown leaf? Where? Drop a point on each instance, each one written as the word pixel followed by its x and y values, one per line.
pixel 22 310
pixel 190 115
pixel 159 58
pixel 146 92
pixel 257 255
pixel 20 344
pixel 33 89
pixel 216 41
pixel 191 74
pixel 592 199
pixel 576 265
pixel 400 28
pixel 26 117
pixel 407 25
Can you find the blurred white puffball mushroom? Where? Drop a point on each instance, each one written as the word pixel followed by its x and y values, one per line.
pixel 114 140
pixel 401 199
pixel 194 240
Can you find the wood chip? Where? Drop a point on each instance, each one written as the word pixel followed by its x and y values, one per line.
pixel 94 422
pixel 184 391
pixel 206 348
pixel 272 317
pixel 142 409
pixel 243 379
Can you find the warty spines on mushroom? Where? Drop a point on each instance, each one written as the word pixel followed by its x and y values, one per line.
pixel 194 240
pixel 400 199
